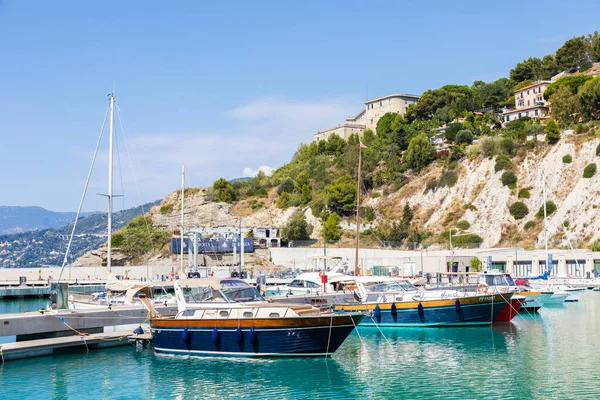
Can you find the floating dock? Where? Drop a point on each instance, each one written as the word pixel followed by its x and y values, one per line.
pixel 46 347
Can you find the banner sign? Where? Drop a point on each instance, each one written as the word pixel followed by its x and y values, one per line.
pixel 212 245
pixel 489 262
pixel 549 262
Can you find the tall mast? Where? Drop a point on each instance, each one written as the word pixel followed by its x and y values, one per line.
pixel 356 267
pixel 545 224
pixel 110 181
pixel 182 199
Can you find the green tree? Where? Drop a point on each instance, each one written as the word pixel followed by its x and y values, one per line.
pixel 574 53
pixel 502 163
pixel 140 236
pixel 224 191
pixel 552 132
pixel 341 195
pixel 385 125
pixel 296 228
pixel 589 100
pixel 407 216
pixel 595 47
pixel 530 69
pixel 475 265
pixel 287 186
pixel 549 67
pixel 564 106
pixel 452 130
pixel 463 225
pixel 464 136
pixel 333 230
pixel 572 82
pixel 420 153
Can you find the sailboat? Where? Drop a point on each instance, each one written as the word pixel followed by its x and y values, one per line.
pixel 127 292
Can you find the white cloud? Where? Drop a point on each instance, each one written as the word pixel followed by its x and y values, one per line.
pixel 265 132
pixel 249 172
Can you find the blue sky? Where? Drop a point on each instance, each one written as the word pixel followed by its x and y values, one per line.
pixel 224 87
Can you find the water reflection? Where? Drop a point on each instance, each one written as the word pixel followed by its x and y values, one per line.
pixel 550 355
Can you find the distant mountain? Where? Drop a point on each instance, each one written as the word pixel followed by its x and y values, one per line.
pixel 242 179
pixel 25 219
pixel 46 247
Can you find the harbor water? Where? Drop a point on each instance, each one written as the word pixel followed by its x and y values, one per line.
pixel 550 355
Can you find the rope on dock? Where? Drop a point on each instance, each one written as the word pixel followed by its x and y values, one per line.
pixel 84 334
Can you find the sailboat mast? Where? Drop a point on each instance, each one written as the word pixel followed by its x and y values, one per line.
pixel 356 267
pixel 110 182
pixel 182 199
pixel 545 223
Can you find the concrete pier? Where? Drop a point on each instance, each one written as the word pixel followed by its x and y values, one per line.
pixel 46 347
pixel 35 325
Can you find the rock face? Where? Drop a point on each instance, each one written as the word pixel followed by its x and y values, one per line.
pixel 478 196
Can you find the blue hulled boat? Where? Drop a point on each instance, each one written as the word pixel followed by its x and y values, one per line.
pixel 227 317
pixel 396 303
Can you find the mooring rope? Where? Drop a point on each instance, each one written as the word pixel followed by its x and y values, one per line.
pixel 382 334
pixel 329 337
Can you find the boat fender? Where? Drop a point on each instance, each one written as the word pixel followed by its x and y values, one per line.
pixel 421 312
pixel 457 305
pixel 239 336
pixel 215 335
pixel 377 311
pixel 253 335
pixel 185 336
pixel 394 310
pixel 138 330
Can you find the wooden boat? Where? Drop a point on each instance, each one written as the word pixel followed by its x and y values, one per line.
pixel 227 317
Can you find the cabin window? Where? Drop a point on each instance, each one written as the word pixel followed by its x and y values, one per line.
pixel 312 284
pixel 224 314
pixel 188 313
pixel 296 283
pixel 248 314
pixel 274 315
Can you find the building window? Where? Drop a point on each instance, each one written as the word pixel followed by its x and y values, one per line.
pixel 519 115
pixel 507 118
pixel 536 113
pixel 527 114
pixel 528 102
pixel 528 93
pixel 405 101
pixel 381 104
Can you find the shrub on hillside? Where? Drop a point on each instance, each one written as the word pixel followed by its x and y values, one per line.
pixel 528 225
pixel 595 245
pixel 296 228
pixel 509 179
pixel 502 163
pixel 552 132
pixel 287 186
pixel 598 147
pixel 550 209
pixel 448 179
pixel 464 136
pixel 518 210
pixel 468 240
pixel 166 208
pixel 463 225
pixel 487 147
pixel 524 193
pixel 507 146
pixel 567 159
pixel 470 206
pixel 581 128
pixel 589 170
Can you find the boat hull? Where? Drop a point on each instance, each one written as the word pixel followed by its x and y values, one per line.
pixel 510 310
pixel 274 337
pixel 474 310
pixel 574 295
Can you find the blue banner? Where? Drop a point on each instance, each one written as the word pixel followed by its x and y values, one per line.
pixel 489 262
pixel 549 262
pixel 212 245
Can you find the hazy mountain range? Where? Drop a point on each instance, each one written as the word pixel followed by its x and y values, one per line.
pixel 15 219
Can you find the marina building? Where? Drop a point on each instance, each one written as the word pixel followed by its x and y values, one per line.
pixel 368 117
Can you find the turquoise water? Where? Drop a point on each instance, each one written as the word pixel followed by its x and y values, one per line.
pixel 22 305
pixel 551 355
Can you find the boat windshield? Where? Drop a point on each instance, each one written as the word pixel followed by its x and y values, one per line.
pixel 402 286
pixel 239 294
pixel 510 280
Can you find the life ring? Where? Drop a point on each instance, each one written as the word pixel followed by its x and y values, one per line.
pixel 321 273
pixel 482 288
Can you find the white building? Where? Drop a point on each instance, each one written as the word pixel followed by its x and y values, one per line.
pixel 368 117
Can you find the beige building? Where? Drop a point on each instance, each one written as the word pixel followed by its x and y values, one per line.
pixel 529 102
pixel 368 117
